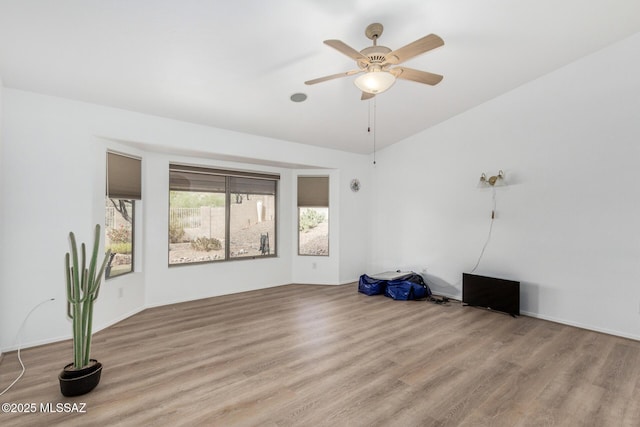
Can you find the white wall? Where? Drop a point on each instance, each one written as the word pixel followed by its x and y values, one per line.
pixel 2 281
pixel 54 159
pixel 567 225
pixel 318 269
pixel 180 283
pixel 349 225
pixel 355 227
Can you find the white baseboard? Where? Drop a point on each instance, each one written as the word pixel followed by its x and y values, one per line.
pixel 455 297
pixel 119 319
pixel 68 337
pixel 36 343
pixel 564 322
pixel 440 294
pixel 581 326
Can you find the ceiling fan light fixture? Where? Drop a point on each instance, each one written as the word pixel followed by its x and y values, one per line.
pixel 375 82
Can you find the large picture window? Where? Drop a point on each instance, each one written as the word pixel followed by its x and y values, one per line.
pixel 217 215
pixel 313 215
pixel 123 188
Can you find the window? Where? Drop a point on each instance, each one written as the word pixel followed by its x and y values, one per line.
pixel 123 188
pixel 217 215
pixel 119 236
pixel 313 215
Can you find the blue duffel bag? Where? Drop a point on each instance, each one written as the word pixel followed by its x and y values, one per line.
pixel 404 290
pixel 370 286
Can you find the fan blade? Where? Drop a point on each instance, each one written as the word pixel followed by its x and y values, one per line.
pixel 331 77
pixel 416 75
pixel 367 95
pixel 416 48
pixel 346 50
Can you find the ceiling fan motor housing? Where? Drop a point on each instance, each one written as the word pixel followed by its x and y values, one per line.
pixel 377 55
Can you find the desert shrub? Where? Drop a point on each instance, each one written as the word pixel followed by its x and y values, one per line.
pixel 176 232
pixel 206 244
pixel 120 248
pixel 119 235
pixel 310 218
pixel 192 199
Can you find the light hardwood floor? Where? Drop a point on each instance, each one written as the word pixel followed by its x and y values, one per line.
pixel 301 355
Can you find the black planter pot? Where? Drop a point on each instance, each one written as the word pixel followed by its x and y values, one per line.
pixel 74 382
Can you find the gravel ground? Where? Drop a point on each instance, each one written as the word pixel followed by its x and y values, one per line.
pixel 315 241
pixel 246 243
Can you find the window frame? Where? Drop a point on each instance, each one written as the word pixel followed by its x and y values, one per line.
pixel 123 182
pixel 133 238
pixel 228 174
pixel 318 199
pixel 328 230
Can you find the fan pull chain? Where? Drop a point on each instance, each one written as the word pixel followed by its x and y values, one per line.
pixel 369 119
pixel 375 122
pixel 374 127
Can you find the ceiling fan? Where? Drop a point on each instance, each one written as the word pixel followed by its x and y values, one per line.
pixel 379 63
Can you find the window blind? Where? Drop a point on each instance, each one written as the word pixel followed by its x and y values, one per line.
pixel 124 177
pixel 313 191
pixel 193 178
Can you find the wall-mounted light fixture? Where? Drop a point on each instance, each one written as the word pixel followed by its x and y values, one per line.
pixel 492 181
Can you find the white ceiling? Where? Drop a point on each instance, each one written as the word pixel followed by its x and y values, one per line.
pixel 234 64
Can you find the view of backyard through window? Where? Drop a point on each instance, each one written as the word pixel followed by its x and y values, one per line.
pixel 198 226
pixel 119 236
pixel 313 226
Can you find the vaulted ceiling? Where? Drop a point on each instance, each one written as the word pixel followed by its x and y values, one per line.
pixel 234 65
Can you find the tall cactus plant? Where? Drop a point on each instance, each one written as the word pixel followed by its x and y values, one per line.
pixel 83 286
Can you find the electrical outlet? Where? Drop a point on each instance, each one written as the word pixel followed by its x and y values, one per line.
pixel 120 292
pixel 314 265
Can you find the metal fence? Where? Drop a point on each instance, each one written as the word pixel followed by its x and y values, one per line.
pixel 110 217
pixel 185 217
